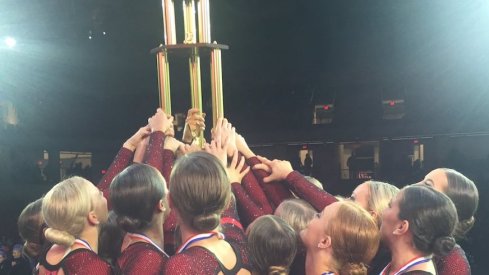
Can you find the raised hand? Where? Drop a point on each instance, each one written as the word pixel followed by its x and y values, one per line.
pixel 137 137
pixel 278 169
pixel 243 147
pixel 218 148
pixel 160 121
pixel 234 169
pixel 140 150
pixel 194 124
pixel 172 144
pixel 227 133
pixel 187 149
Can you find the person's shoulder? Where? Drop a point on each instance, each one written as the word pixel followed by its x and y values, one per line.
pixel 142 258
pixel 454 262
pixel 143 251
pixel 194 260
pixel 84 261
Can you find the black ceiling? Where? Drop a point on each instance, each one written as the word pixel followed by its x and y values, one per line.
pixel 285 56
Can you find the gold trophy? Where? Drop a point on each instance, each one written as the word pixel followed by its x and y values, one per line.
pixel 193 45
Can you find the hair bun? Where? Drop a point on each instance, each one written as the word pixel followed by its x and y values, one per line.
pixel 354 269
pixel 130 224
pixel 463 227
pixel 206 222
pixel 443 245
pixel 59 237
pixel 277 270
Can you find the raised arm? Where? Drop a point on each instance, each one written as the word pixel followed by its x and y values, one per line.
pixel 274 192
pixel 282 171
pixel 159 123
pixel 122 160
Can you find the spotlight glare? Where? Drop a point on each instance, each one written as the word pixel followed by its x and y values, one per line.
pixel 10 42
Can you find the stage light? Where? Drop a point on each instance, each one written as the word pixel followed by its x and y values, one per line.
pixel 10 42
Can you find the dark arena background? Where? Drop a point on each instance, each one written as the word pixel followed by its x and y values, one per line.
pixel 370 89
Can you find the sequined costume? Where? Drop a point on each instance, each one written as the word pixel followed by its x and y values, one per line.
pixel 141 258
pixel 155 156
pixel 307 191
pixel 162 160
pixel 276 192
pixel 453 263
pixel 250 198
pixel 198 260
pixel 79 261
pixel 120 162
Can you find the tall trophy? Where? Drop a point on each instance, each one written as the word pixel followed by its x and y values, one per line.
pixel 194 44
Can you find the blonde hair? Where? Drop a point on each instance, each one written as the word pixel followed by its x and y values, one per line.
pixel 355 238
pixel 314 181
pixel 65 208
pixel 380 194
pixel 296 212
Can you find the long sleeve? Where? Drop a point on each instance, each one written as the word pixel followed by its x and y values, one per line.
pixel 154 151
pixel 168 159
pixel 275 191
pixel 317 197
pixel 162 160
pixel 247 209
pixel 120 162
pixel 257 195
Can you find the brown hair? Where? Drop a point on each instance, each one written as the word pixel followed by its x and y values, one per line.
pixel 465 196
pixel 355 238
pixel 31 226
pixel 134 194
pixel 432 218
pixel 272 244
pixel 296 212
pixel 200 190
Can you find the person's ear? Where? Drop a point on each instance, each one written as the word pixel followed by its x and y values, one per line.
pixel 92 218
pixel 325 242
pixel 373 214
pixel 401 228
pixel 160 206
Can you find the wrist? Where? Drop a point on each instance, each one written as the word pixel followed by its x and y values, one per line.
pixel 158 130
pixel 247 153
pixel 130 146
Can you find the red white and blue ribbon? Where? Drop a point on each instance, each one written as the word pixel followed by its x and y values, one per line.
pixel 199 237
pixel 408 265
pixel 84 244
pixel 147 240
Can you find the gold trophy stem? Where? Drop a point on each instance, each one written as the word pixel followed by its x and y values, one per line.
pixel 195 87
pixel 169 22
pixel 164 81
pixel 189 22
pixel 216 86
pixel 203 12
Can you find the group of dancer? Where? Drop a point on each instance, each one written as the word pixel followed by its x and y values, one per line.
pixel 220 209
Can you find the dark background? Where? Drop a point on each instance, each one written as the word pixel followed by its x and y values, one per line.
pixel 76 93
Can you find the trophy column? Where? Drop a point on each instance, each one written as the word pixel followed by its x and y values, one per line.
pixel 192 49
